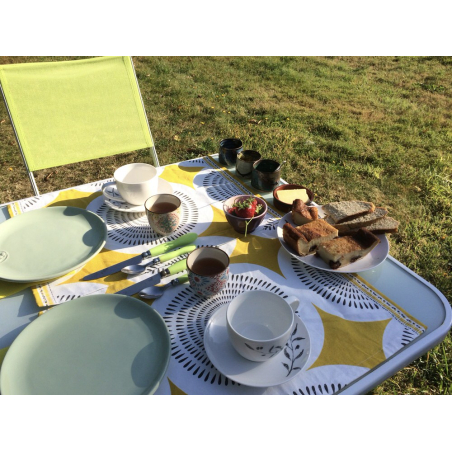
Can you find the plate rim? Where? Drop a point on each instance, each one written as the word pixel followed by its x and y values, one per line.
pixel 323 266
pixel 29 329
pixel 98 248
pixel 214 361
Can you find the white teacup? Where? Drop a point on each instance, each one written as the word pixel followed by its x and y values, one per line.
pixel 259 323
pixel 136 182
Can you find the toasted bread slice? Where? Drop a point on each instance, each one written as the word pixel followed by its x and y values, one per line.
pixel 302 214
pixel 385 225
pixel 305 239
pixel 360 222
pixel 346 250
pixel 343 211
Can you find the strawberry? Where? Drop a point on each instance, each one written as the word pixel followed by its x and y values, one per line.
pixel 245 208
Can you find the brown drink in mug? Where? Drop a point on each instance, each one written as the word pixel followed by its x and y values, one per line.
pixel 208 270
pixel 163 213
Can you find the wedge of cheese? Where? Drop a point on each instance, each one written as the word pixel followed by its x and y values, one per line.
pixel 289 196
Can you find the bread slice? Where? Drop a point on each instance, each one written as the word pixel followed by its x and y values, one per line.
pixel 343 211
pixel 342 251
pixel 305 239
pixel 385 225
pixel 360 222
pixel 302 214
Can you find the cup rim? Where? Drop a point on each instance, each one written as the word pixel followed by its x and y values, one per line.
pixel 255 165
pixel 208 247
pixel 165 194
pixel 258 340
pixel 237 142
pixel 251 152
pixel 115 177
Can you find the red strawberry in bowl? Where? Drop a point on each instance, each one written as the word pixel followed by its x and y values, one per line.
pixel 245 208
pixel 245 212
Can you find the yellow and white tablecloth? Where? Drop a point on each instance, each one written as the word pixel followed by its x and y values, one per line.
pixel 352 327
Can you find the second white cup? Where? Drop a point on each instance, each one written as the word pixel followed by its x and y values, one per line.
pixel 259 323
pixel 136 182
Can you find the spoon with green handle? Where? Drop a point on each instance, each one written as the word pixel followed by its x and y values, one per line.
pixel 153 292
pixel 183 240
pixel 140 268
pixel 178 267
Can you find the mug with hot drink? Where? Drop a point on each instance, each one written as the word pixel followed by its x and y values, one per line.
pixel 163 213
pixel 208 270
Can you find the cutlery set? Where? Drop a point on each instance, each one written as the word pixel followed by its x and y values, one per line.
pixel 138 264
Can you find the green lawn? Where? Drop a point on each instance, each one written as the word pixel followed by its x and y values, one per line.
pixel 371 128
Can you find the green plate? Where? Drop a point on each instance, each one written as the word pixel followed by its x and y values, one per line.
pixel 99 344
pixel 47 243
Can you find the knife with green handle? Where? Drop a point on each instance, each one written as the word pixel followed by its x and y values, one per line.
pixel 186 239
pixel 155 279
pixel 140 268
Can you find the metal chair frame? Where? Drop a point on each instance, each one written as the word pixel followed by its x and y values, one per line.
pixel 30 173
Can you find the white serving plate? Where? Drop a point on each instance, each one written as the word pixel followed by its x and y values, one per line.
pixel 372 260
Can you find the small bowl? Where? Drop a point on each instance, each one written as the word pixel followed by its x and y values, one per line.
pixel 240 224
pixel 283 206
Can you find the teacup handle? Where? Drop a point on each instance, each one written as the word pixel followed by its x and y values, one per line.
pixel 294 302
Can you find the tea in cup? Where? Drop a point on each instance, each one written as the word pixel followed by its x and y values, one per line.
pixel 136 182
pixel 208 270
pixel 163 212
pixel 260 323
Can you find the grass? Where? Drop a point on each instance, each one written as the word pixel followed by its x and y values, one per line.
pixel 374 128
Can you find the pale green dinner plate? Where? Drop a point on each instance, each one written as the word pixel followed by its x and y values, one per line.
pixel 99 344
pixel 47 243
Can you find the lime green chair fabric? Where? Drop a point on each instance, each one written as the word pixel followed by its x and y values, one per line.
pixel 71 111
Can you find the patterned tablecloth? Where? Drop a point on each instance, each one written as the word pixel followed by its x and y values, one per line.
pixel 352 327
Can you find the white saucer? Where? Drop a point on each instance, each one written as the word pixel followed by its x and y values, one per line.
pixel 275 371
pixel 113 199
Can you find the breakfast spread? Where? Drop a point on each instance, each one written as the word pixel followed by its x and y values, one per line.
pixel 346 234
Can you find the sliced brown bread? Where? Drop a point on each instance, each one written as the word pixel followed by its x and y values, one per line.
pixel 343 211
pixel 305 239
pixel 342 251
pixel 385 225
pixel 302 214
pixel 359 222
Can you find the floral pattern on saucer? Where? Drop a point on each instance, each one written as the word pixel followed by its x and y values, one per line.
pixel 292 351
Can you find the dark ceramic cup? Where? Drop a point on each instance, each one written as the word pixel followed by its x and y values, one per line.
pixel 245 162
pixel 266 174
pixel 228 150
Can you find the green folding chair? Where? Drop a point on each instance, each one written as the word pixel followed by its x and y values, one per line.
pixel 73 111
